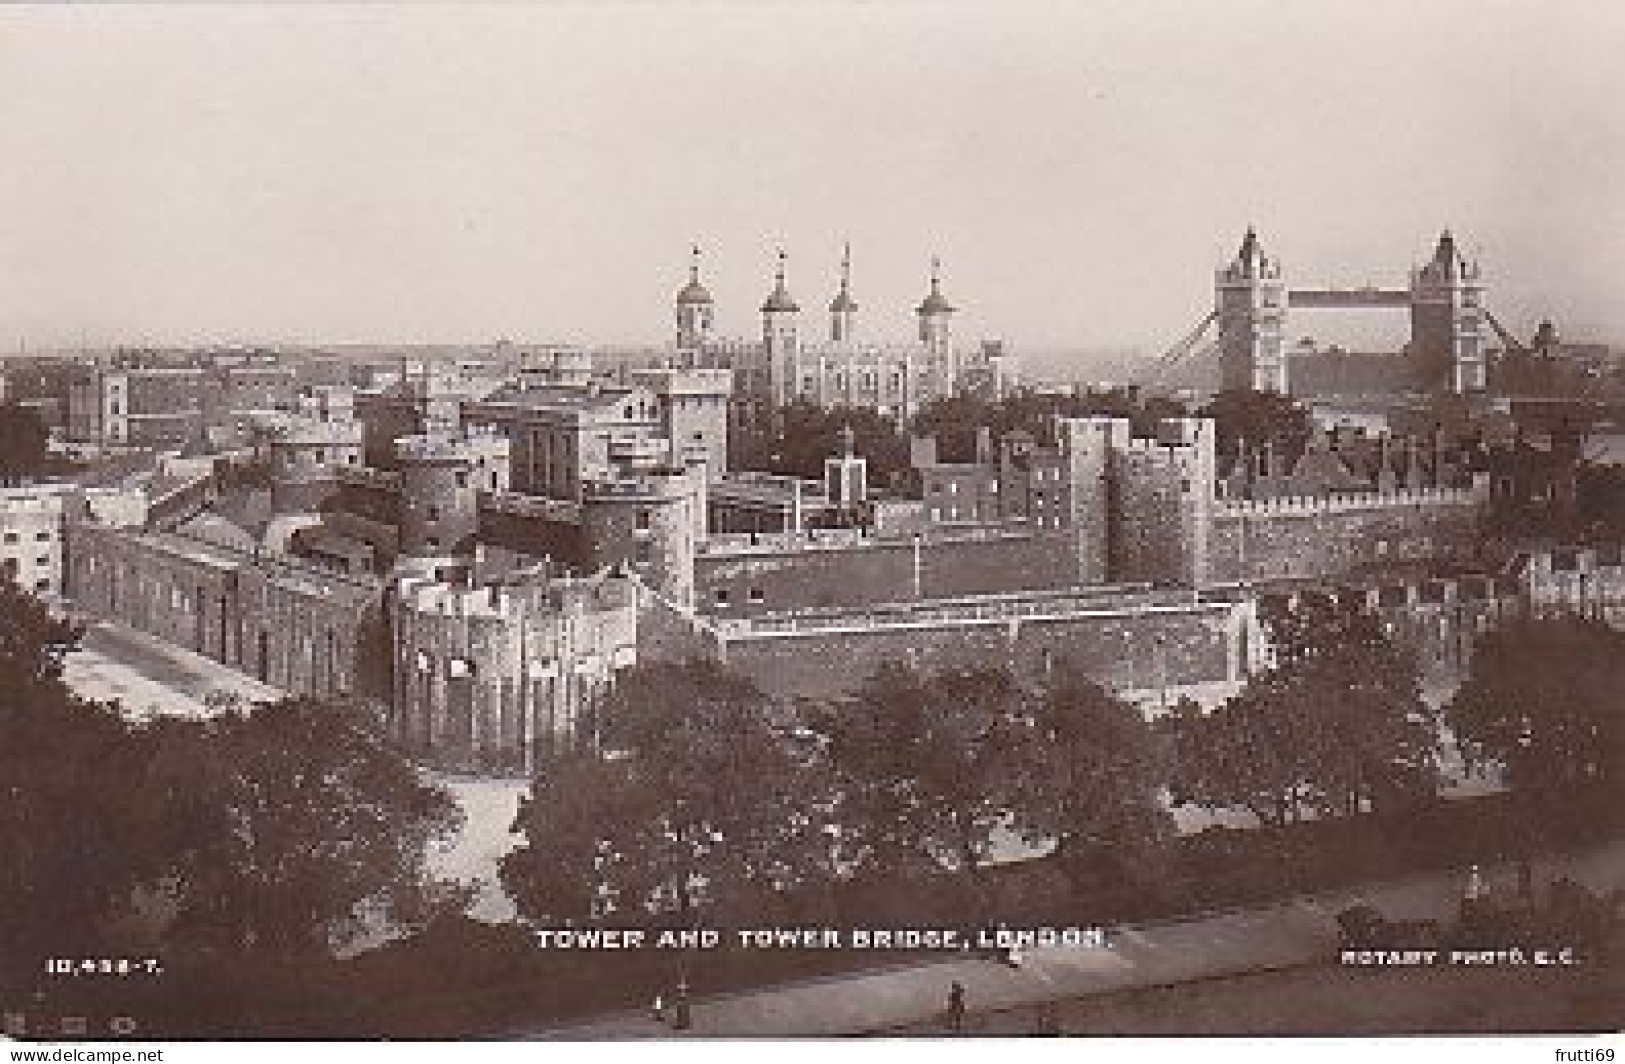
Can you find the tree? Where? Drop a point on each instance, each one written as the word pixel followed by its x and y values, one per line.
pixel 1336 727
pixel 296 828
pixel 1108 772
pixel 934 766
pixel 955 420
pixel 797 439
pixel 70 785
pixel 24 440
pixel 1543 702
pixel 701 806
pixel 1258 418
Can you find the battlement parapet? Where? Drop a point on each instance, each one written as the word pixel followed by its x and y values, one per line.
pixel 726 544
pixel 1105 601
pixel 1348 502
pixel 669 484
pixel 509 603
pixel 515 504
pixel 368 477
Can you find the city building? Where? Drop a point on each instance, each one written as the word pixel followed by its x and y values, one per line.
pixel 788 363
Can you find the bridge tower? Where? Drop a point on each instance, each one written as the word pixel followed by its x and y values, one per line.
pixel 1250 298
pixel 1447 322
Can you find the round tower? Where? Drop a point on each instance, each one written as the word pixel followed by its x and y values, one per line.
pixel 780 351
pixel 439 512
pixel 649 525
pixel 694 308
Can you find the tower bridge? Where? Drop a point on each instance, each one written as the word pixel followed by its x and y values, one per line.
pixel 1246 327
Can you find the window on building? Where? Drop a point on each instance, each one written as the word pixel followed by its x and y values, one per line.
pixel 433 543
pixel 42 584
pixel 755 595
pixel 12 537
pixel 42 537
pixel 640 520
pixel 433 513
pixel 953 487
pixel 720 596
pixel 43 559
pixel 462 478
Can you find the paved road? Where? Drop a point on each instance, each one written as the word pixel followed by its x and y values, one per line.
pixel 1327 999
pixel 149 677
pixel 1289 935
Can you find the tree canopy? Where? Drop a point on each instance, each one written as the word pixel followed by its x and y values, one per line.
pixel 933 766
pixel 70 779
pixel 1543 702
pixel 1258 418
pixel 1337 726
pixel 296 828
pixel 1107 771
pixel 700 806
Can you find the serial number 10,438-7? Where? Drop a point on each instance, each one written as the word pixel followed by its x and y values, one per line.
pixel 103 966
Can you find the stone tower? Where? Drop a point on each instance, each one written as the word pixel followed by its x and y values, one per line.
pixel 936 326
pixel 780 347
pixel 1447 322
pixel 1250 298
pixel 439 511
pixel 842 309
pixel 694 309
pixel 1088 448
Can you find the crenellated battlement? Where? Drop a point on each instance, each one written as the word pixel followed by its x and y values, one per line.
pixel 1311 505
pixel 509 603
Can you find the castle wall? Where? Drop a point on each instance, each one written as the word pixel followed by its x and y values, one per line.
pixel 787 572
pixel 302 631
pixel 497 679
pixel 1276 538
pixel 1132 647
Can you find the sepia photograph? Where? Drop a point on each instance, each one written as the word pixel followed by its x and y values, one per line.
pixel 943 522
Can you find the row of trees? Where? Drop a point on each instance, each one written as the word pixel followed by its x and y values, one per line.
pixel 277 833
pixel 717 800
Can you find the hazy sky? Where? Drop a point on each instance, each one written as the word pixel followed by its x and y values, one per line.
pixel 328 173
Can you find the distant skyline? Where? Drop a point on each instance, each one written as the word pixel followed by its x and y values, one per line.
pixel 370 173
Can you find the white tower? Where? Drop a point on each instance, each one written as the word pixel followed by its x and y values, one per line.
pixel 936 332
pixel 842 310
pixel 780 350
pixel 694 309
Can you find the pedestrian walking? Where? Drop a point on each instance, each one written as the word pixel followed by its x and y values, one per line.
pixel 956 1007
pixel 682 1018
pixel 658 1008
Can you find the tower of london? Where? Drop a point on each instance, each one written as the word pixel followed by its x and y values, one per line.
pixel 837 367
